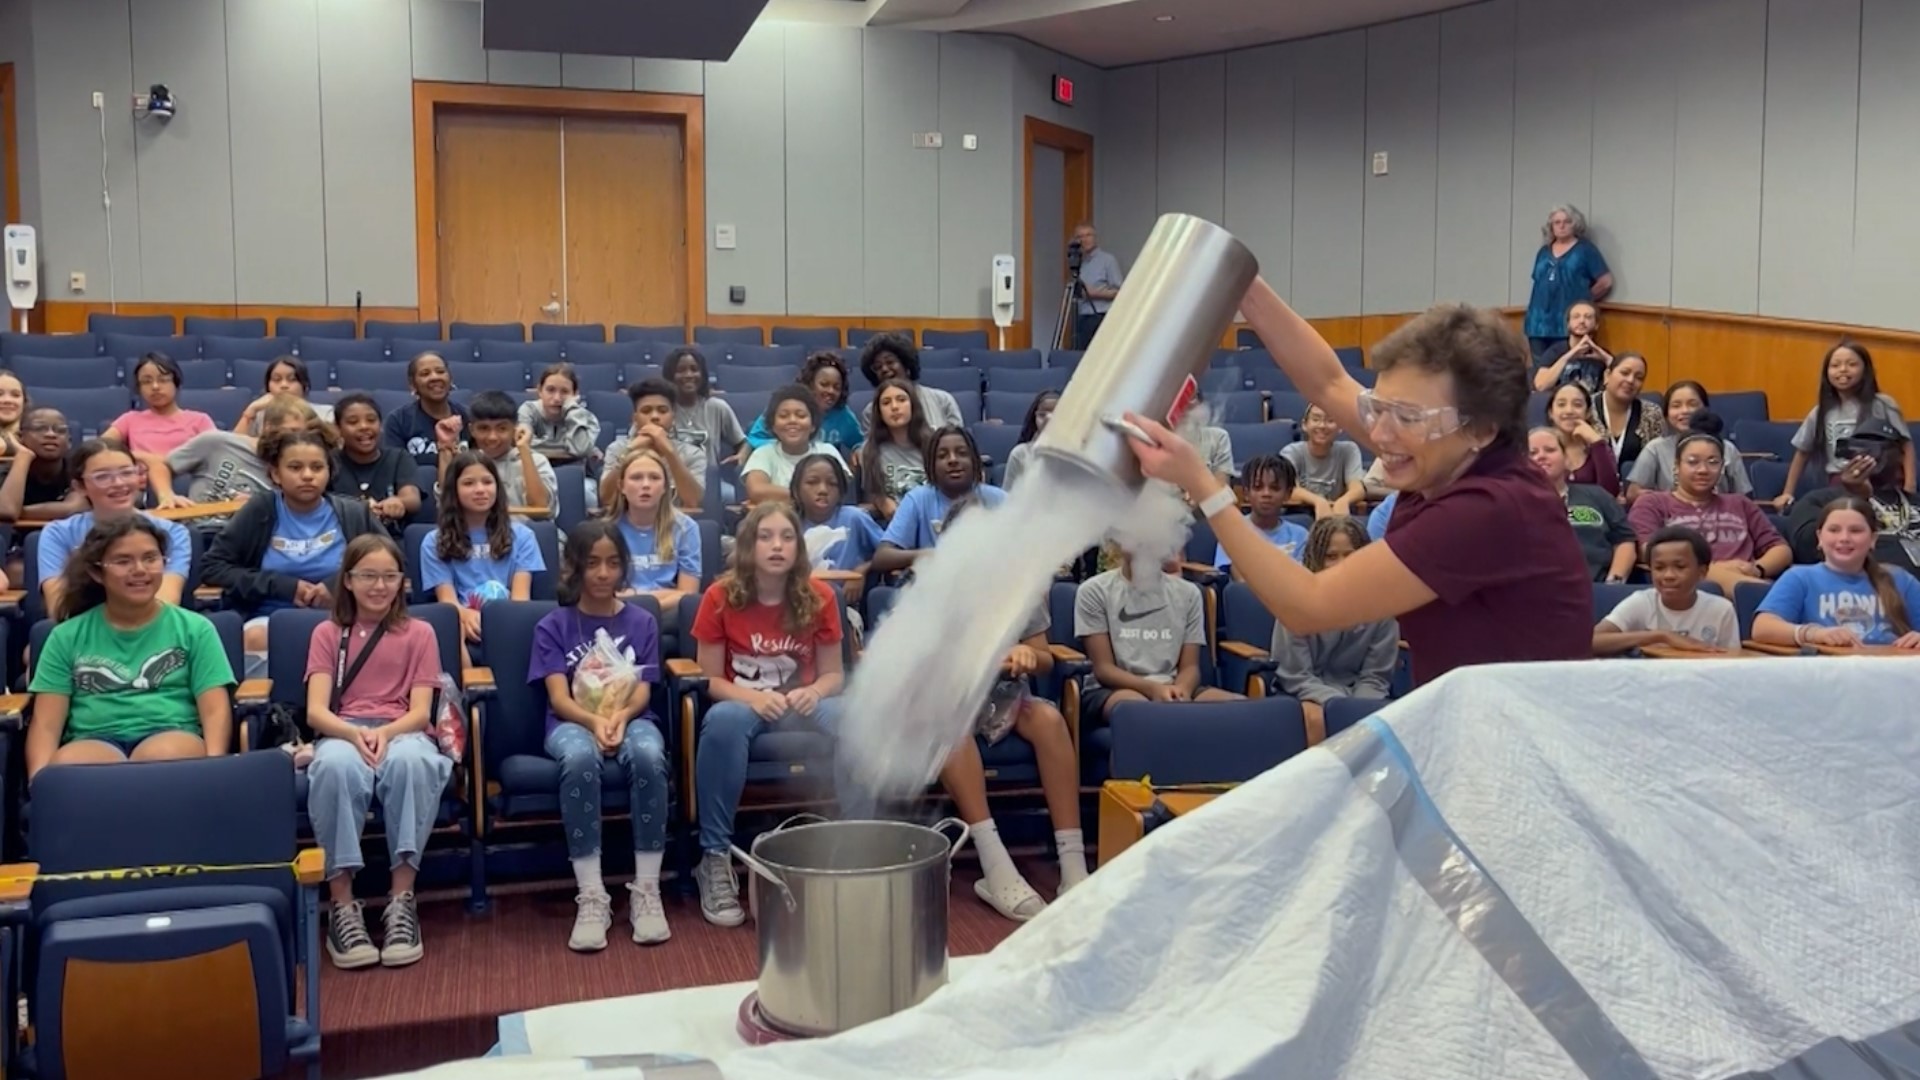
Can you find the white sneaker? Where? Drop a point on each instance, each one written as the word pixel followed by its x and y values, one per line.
pixel 591 922
pixel 647 913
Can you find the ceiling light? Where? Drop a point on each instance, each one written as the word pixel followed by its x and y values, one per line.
pixel 1163 18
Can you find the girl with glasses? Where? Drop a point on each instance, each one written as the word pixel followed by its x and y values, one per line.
pixel 111 482
pixel 38 485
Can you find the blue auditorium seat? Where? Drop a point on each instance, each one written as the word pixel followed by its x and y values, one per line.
pixel 1022 381
pixel 203 326
pixel 953 339
pixel 482 375
pixel 1244 621
pixel 625 332
pixel 410 331
pixel 204 374
pixel 1215 743
pixel 65 346
pixel 954 380
pixel 405 349
pixel 150 325
pixel 784 357
pixel 370 375
pixel 1252 440
pixel 808 338
pixel 1026 359
pixel 131 346
pixel 565 332
pixel 748 379
pixel 41 373
pixel 288 327
pixel 511 331
pixel 224 405
pixel 728 335
pixel 332 350
pixel 534 356
pixel 243 348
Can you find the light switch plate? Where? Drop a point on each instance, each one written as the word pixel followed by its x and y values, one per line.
pixel 724 238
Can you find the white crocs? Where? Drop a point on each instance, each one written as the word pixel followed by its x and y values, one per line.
pixel 1014 899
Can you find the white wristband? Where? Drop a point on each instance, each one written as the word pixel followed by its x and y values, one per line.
pixel 1217 502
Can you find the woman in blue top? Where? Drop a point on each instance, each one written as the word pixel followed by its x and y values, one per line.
pixel 954 472
pixel 663 542
pixel 825 374
pixel 1846 599
pixel 477 553
pixel 1568 268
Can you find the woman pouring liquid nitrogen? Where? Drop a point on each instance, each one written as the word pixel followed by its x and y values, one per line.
pixel 1479 564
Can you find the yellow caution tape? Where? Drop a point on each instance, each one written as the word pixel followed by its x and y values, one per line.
pixel 139 873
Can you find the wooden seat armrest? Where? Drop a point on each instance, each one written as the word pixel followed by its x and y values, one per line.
pixel 209 592
pixel 1066 654
pixel 13 709
pixel 1200 568
pixel 682 668
pixel 13 598
pixel 310 866
pixel 16 881
pixel 254 692
pixel 1771 649
pixel 1244 651
pixel 477 679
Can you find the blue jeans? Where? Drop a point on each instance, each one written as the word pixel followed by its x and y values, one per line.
pixel 727 732
pixel 643 753
pixel 341 786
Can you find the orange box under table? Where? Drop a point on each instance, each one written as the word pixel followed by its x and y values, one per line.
pixel 1127 806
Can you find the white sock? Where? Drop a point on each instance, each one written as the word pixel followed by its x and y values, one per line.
pixel 995 863
pixel 646 867
pixel 1073 856
pixel 586 874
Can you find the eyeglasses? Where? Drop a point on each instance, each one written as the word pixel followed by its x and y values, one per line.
pixel 104 477
pixel 146 561
pixel 1414 420
pixel 373 577
pixel 47 429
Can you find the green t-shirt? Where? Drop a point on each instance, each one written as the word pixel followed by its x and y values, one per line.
pixel 129 684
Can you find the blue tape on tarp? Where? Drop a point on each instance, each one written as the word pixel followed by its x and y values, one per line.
pixel 1480 909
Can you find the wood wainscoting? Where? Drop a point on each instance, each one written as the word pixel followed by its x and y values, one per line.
pixel 70 316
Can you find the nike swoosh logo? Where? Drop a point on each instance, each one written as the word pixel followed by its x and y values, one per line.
pixel 1136 616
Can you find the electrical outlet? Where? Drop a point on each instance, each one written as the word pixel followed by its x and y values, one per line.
pixel 77 282
pixel 969 142
pixel 99 100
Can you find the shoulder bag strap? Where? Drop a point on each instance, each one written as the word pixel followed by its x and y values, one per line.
pixel 344 673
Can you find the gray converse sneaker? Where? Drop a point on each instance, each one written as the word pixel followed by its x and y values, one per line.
pixel 348 943
pixel 591 922
pixel 719 891
pixel 647 913
pixel 400 935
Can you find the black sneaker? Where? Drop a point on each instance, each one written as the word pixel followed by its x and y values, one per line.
pixel 348 943
pixel 400 939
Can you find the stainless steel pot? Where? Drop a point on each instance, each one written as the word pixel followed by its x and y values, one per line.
pixel 852 918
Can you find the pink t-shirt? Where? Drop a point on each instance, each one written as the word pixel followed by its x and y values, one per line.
pixel 408 656
pixel 150 433
pixel 1736 529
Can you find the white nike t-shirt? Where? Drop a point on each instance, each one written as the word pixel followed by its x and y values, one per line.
pixel 1147 622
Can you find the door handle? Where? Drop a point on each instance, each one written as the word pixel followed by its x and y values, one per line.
pixel 551 308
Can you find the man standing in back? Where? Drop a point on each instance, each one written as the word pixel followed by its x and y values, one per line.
pixel 1100 280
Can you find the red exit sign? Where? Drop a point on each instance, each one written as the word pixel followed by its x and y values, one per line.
pixel 1063 89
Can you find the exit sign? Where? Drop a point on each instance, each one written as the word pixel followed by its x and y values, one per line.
pixel 1063 89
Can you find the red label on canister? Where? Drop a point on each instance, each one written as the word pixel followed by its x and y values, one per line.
pixel 1183 401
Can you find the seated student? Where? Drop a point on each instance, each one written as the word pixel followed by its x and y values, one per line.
pixel 1328 469
pixel 1374 482
pixel 770 648
pixel 39 483
pixel 1875 471
pixel 526 478
pixel 384 478
pixel 1674 613
pixel 1849 394
pixel 795 419
pixel 477 554
pixel 819 492
pixel 825 374
pixel 953 463
pixel 13 405
pixel 1598 522
pixel 159 429
pixel 283 548
pixel 562 429
pixel 1745 545
pixel 612 722
pixel 893 460
pixel 126 675
pixel 1653 469
pixel 372 674
pixel 434 419
pixel 1038 413
pixel 223 465
pixel 1269 484
pixel 1143 626
pixel 1589 458
pixel 110 481
pixel 287 376
pixel 663 542
pixel 1216 448
pixel 1354 663
pixel 654 429
pixel 1847 599
pixel 1381 515
pixel 893 356
pixel 1579 360
pixel 701 421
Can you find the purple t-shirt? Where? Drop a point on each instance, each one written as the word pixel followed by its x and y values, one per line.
pixel 1736 529
pixel 1507 573
pixel 565 637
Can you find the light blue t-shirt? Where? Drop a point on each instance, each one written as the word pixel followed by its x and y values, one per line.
pixel 479 577
pixel 863 538
pixel 60 539
pixel 1377 521
pixel 306 546
pixel 1823 596
pixel 1286 536
pixel 922 514
pixel 649 571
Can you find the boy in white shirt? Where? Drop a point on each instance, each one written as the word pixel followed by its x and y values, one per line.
pixel 1674 613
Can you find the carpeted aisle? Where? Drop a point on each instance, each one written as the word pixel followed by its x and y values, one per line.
pixel 516 958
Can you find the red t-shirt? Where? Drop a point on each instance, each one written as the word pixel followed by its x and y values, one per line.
pixel 1510 580
pixel 761 653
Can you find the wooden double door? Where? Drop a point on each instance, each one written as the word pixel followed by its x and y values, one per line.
pixel 560 219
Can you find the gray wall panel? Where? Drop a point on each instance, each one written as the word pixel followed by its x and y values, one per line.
pixel 596 72
pixel 746 180
pixel 1033 69
pixel 446 41
pixel 1473 227
pixel 1886 230
pixel 1049 269
pixel 1403 119
pixel 1128 159
pixel 1259 158
pixel 1720 95
pixel 366 124
pixel 1552 127
pixel 1636 51
pixel 1191 158
pixel 1329 172
pixel 511 67
pixel 1806 210
pixel 976 219
pixel 185 167
pixel 273 80
pixel 16 48
pixel 669 76
pixel 902 211
pixel 823 172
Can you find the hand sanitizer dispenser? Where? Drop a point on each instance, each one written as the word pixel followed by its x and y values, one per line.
pixel 23 269
pixel 1004 280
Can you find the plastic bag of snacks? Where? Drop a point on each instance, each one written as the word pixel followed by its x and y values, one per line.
pixel 606 677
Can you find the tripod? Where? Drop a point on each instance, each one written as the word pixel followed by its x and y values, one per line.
pixel 1067 330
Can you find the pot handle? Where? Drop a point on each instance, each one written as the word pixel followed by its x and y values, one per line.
pixel 965 833
pixel 766 871
pixel 803 817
